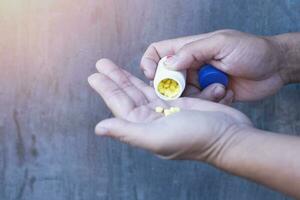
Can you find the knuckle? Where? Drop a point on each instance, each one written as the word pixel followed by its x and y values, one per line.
pixel 149 51
pixel 125 84
pixel 221 36
pixel 227 31
pixel 185 51
pixel 153 45
pixel 225 34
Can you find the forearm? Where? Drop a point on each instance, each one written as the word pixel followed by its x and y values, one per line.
pixel 267 158
pixel 289 45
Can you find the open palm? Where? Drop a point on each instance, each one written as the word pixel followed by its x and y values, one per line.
pixel 198 125
pixel 130 98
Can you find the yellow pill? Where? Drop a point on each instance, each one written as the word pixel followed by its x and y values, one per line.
pixel 167 112
pixel 175 109
pixel 172 108
pixel 159 109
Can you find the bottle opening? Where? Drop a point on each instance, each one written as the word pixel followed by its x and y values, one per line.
pixel 169 88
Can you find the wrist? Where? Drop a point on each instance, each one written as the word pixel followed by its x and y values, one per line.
pixel 234 151
pixel 260 156
pixel 224 150
pixel 289 54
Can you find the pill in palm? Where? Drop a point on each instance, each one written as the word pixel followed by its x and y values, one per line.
pixel 175 109
pixel 159 109
pixel 167 112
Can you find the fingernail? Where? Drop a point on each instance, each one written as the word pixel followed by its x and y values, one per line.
pixel 101 130
pixel 219 92
pixel 171 61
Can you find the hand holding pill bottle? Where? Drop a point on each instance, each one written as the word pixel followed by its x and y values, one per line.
pixel 170 84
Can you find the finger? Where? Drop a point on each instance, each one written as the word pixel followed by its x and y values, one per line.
pixel 228 99
pixel 203 105
pixel 135 134
pixel 117 74
pixel 190 91
pixel 197 53
pixel 114 97
pixel 214 92
pixel 200 105
pixel 152 56
pixel 142 86
pixel 192 77
pixel 158 50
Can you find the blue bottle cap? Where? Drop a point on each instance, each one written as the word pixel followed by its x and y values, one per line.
pixel 208 74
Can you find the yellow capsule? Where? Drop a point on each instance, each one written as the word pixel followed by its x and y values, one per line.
pixel 175 109
pixel 159 109
pixel 167 112
pixel 172 109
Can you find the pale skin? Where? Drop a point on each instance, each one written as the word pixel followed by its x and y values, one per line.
pixel 209 131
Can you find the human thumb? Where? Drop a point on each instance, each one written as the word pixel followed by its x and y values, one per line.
pixel 195 54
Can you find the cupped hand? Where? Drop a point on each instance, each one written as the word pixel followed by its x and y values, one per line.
pixel 253 63
pixel 199 131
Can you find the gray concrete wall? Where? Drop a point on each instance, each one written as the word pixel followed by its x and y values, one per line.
pixel 48 149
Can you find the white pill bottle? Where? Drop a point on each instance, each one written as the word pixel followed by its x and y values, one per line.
pixel 163 73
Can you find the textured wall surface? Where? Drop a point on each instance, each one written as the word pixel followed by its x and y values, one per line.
pixel 48 48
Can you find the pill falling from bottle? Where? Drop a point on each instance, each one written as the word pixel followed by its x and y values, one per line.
pixel 167 112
